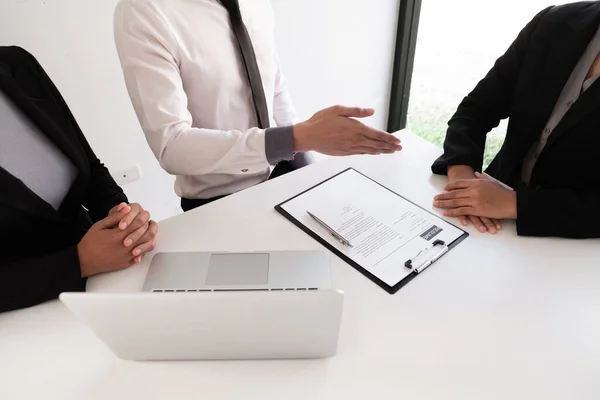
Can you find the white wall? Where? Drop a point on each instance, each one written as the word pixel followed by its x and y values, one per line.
pixel 73 41
pixel 338 51
pixel 333 51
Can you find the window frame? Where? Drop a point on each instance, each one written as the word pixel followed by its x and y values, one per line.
pixel 404 57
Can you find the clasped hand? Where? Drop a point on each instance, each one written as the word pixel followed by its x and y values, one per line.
pixel 117 241
pixel 482 201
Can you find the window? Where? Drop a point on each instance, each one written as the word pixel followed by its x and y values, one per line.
pixel 457 43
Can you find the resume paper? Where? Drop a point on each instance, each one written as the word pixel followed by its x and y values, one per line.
pixel 385 229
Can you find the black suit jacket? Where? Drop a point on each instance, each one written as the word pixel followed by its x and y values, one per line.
pixel 39 257
pixel 563 195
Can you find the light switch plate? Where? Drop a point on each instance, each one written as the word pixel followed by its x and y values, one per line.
pixel 128 175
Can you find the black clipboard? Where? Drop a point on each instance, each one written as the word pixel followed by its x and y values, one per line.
pixel 390 289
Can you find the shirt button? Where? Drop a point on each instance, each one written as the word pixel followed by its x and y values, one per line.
pixel 569 103
pixel 547 131
pixel 244 170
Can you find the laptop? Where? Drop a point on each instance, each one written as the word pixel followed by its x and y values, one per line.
pixel 278 270
pixel 220 306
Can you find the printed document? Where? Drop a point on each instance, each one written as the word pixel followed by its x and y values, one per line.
pixel 384 229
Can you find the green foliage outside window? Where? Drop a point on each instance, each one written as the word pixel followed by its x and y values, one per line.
pixel 432 126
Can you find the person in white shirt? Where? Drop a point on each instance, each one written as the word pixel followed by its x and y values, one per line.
pixel 205 81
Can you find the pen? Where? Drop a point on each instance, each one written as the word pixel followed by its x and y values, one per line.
pixel 431 261
pixel 332 231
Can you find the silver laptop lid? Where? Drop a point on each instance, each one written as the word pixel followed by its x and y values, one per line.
pixel 213 326
pixel 200 271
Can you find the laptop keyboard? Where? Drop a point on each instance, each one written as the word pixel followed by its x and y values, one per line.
pixel 228 290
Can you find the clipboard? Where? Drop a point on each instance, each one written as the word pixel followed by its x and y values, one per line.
pixel 414 265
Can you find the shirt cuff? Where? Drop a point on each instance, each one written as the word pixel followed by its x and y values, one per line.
pixel 279 144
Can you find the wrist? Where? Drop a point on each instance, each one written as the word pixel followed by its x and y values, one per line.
pixel 460 168
pixel 300 142
pixel 511 210
pixel 460 171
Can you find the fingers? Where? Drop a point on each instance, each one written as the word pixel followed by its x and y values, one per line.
pixel 136 235
pixel 365 141
pixel 478 223
pixel 376 147
pixel 453 203
pixel 368 145
pixel 380 136
pixel 457 212
pixel 456 194
pixel 117 208
pixel 113 220
pixel 147 242
pixel 136 209
pixel 134 220
pixel 364 150
pixel 481 176
pixel 489 225
pixel 483 225
pixel 497 223
pixel 459 204
pixel 352 112
pixel 144 248
pixel 141 220
pixel 461 184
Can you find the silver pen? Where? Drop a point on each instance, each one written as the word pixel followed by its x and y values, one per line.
pixel 332 231
pixel 432 260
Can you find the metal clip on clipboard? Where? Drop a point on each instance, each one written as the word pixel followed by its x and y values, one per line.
pixel 427 256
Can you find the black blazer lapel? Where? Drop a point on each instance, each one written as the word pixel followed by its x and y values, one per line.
pixel 32 107
pixel 560 62
pixel 17 195
pixel 584 27
pixel 587 103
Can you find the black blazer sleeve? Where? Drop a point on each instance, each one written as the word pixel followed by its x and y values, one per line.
pixel 30 281
pixel 30 277
pixel 568 213
pixel 102 192
pixel 484 108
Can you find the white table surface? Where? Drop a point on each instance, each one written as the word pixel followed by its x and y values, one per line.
pixel 499 317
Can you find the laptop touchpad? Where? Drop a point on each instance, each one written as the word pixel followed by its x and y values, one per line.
pixel 238 269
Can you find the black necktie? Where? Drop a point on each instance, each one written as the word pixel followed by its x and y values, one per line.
pixel 249 57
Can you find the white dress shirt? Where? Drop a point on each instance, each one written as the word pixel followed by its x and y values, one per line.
pixel 189 87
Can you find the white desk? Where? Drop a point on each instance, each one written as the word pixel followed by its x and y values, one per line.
pixel 500 317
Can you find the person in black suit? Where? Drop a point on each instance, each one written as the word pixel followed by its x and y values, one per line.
pixel 546 85
pixel 62 216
